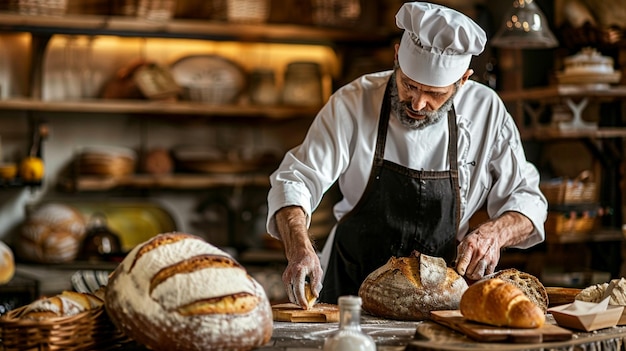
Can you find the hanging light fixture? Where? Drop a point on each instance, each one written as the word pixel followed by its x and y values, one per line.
pixel 524 27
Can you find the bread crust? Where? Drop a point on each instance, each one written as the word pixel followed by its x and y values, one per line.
pixel 500 303
pixel 178 292
pixel 408 288
pixel 7 263
pixel 528 283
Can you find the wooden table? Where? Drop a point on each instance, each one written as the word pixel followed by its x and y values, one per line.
pixel 429 336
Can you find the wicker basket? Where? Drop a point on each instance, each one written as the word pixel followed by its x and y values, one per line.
pixel 39 7
pixel 89 330
pixel 569 223
pixel 564 191
pixel 253 11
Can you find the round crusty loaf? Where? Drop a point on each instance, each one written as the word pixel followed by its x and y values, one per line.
pixel 408 288
pixel 52 233
pixel 500 303
pixel 7 263
pixel 528 283
pixel 178 292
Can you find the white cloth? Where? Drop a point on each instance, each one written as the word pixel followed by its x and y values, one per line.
pixel 437 44
pixel 340 146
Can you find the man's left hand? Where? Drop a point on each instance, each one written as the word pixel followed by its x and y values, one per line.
pixel 479 252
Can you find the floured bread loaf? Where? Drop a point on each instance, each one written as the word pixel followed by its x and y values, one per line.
pixel 408 288
pixel 7 263
pixel 615 290
pixel 65 304
pixel 52 233
pixel 528 283
pixel 178 292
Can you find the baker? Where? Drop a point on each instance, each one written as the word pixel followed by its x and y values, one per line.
pixel 416 151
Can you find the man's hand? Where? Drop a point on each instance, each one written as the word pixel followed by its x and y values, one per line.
pixel 478 253
pixel 302 265
pixel 302 258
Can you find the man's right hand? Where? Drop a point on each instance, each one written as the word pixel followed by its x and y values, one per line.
pixel 302 258
pixel 302 265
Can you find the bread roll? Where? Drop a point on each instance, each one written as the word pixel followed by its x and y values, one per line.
pixel 408 288
pixel 7 263
pixel 178 292
pixel 65 304
pixel 528 283
pixel 500 303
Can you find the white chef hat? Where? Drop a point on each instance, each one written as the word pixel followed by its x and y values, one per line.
pixel 438 43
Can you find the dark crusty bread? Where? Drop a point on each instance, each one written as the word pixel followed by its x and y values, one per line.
pixel 500 303
pixel 408 288
pixel 178 292
pixel 528 283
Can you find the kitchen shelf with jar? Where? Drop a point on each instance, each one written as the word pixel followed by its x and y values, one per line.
pixel 189 28
pixel 44 28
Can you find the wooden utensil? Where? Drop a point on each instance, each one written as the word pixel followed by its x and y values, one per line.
pixel 453 319
pixel 319 313
pixel 561 296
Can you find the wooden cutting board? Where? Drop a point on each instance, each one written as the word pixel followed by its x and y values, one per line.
pixel 485 333
pixel 319 313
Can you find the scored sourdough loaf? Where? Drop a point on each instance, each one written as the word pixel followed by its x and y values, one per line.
pixel 500 303
pixel 528 283
pixel 408 288
pixel 178 292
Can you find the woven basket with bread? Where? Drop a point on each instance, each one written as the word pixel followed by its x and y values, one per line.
pixel 70 321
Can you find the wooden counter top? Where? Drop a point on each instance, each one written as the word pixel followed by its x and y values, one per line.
pixel 427 335
pixel 391 335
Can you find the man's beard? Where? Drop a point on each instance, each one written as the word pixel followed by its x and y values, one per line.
pixel 431 117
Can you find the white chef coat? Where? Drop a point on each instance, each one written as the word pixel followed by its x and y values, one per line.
pixel 339 146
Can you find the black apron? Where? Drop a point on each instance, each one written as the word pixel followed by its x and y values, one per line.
pixel 401 210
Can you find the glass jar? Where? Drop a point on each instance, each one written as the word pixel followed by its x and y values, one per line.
pixel 349 337
pixel 263 87
pixel 303 84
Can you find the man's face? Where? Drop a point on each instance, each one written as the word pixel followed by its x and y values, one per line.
pixel 418 106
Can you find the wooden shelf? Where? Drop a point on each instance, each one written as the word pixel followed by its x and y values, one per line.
pixel 278 112
pixel 187 28
pixel 563 91
pixel 601 235
pixel 554 133
pixel 170 182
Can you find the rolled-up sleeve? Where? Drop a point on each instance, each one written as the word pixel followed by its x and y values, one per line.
pixel 516 183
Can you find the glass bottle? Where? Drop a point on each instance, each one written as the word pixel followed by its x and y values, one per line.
pixel 349 337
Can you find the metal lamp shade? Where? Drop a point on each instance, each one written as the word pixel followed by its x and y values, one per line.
pixel 524 27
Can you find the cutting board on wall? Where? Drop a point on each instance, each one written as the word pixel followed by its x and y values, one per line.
pixel 453 319
pixel 319 313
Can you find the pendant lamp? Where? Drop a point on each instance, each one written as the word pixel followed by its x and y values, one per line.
pixel 524 27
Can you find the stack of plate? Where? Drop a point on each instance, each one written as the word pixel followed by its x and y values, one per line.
pixel 106 161
pixel 209 78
